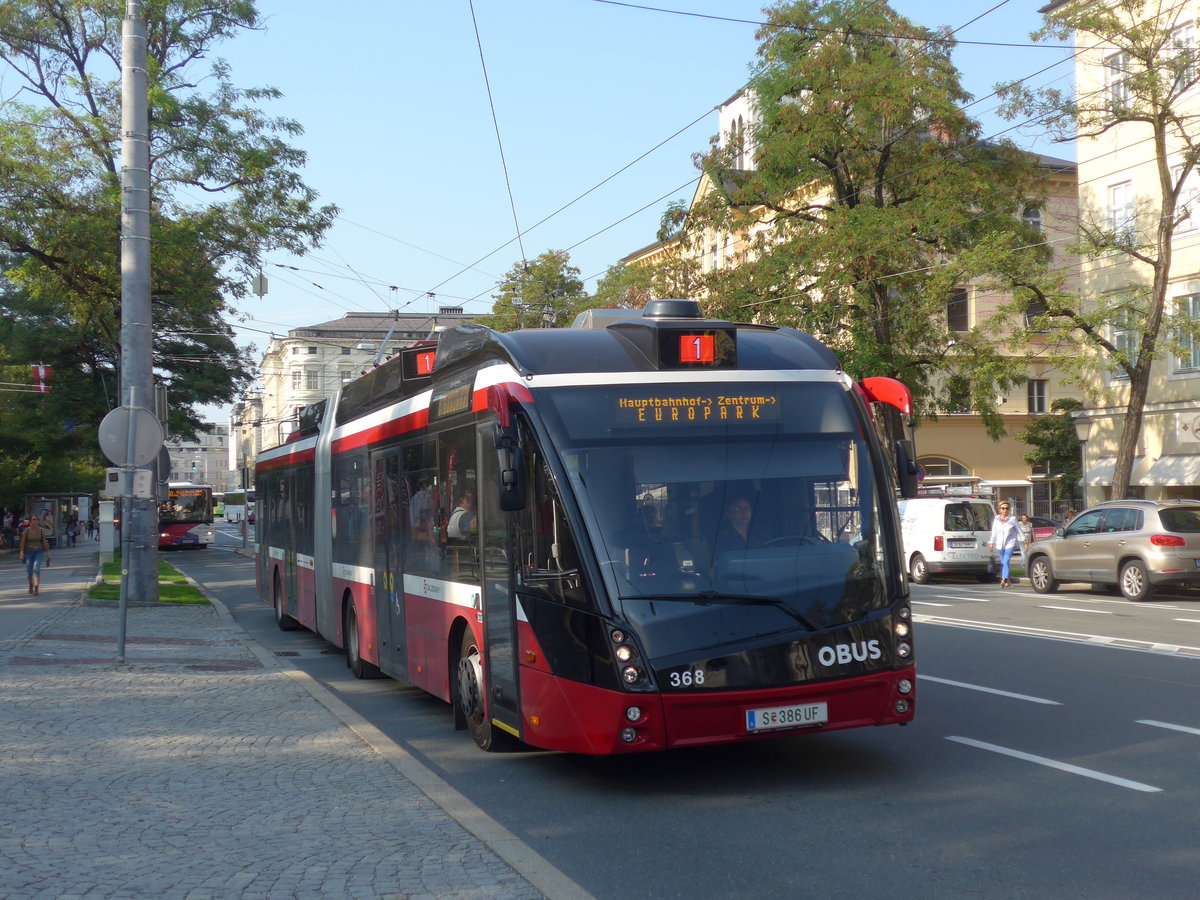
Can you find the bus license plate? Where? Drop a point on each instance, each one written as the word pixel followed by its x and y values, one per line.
pixel 797 716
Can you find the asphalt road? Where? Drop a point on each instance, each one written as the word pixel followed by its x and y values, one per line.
pixel 1055 753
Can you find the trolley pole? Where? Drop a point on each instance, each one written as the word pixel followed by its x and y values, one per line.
pixel 137 378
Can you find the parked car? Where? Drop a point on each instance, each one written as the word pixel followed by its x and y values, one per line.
pixel 1132 545
pixel 946 536
pixel 1043 527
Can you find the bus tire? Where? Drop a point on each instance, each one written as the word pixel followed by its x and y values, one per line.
pixel 469 694
pixel 358 666
pixel 282 619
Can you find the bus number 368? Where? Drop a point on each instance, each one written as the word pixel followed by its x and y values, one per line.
pixel 690 678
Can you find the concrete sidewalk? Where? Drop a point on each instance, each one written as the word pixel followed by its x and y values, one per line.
pixel 205 768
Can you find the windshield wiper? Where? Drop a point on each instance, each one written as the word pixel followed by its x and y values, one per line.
pixel 708 598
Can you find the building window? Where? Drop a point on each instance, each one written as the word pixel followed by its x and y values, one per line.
pixel 960 400
pixel 942 467
pixel 295 351
pixel 1189 313
pixel 1181 53
pixel 739 137
pixel 1032 216
pixel 1121 216
pixel 296 375
pixel 1116 79
pixel 1035 308
pixel 958 311
pixel 312 351
pixel 1125 338
pixel 1036 394
pixel 1187 213
pixel 346 375
pixel 312 381
pixel 345 351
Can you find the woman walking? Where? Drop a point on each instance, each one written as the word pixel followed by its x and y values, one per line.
pixel 34 545
pixel 1004 539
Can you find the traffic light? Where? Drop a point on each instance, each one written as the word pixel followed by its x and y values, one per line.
pixel 193 465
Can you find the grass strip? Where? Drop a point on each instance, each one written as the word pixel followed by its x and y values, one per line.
pixel 173 586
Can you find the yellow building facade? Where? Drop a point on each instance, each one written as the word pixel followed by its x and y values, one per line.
pixel 1119 188
pixel 954 449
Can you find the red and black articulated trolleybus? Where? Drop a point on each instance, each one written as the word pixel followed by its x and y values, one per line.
pixel 643 532
pixel 186 518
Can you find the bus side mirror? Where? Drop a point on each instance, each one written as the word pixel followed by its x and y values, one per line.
pixel 906 468
pixel 511 467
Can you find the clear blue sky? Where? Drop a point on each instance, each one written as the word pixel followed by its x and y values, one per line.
pixel 400 134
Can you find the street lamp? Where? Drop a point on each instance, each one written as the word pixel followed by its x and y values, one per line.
pixel 1083 431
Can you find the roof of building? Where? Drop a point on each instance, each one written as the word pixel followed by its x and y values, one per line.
pixel 367 324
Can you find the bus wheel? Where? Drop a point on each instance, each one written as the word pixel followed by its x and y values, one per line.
pixel 282 619
pixel 359 666
pixel 470 699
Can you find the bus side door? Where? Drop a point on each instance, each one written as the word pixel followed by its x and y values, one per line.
pixel 499 564
pixel 389 508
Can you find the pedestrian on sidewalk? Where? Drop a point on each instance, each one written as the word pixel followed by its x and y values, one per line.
pixel 35 546
pixel 1003 540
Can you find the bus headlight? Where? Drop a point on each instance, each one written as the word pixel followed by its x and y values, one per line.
pixel 903 650
pixel 625 653
pixel 631 674
pixel 904 686
pixel 633 713
pixel 902 629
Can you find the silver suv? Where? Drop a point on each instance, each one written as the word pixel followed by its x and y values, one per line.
pixel 1131 544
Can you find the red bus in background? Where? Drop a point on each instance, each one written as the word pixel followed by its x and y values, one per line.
pixel 638 533
pixel 185 519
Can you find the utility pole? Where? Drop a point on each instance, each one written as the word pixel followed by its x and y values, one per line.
pixel 137 380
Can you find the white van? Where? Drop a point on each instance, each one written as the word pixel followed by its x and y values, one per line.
pixel 946 536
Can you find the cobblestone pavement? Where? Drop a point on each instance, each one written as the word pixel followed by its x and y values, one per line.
pixel 195 771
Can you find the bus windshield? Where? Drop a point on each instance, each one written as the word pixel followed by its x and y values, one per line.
pixel 747 495
pixel 192 504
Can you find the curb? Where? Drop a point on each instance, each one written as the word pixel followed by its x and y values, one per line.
pixel 523 859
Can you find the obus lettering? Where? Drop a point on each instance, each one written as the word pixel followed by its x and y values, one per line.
pixel 859 651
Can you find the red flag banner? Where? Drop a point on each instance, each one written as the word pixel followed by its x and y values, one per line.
pixel 41 379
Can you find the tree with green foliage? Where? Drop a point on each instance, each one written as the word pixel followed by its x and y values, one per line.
pixel 1056 448
pixel 671 272
pixel 48 440
pixel 545 292
pixel 225 184
pixel 868 186
pixel 1151 72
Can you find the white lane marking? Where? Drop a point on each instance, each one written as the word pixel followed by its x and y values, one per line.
pixel 1051 634
pixel 1194 621
pixel 928 603
pixel 968 599
pixel 1055 764
pixel 987 690
pixel 1184 728
pixel 1094 612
